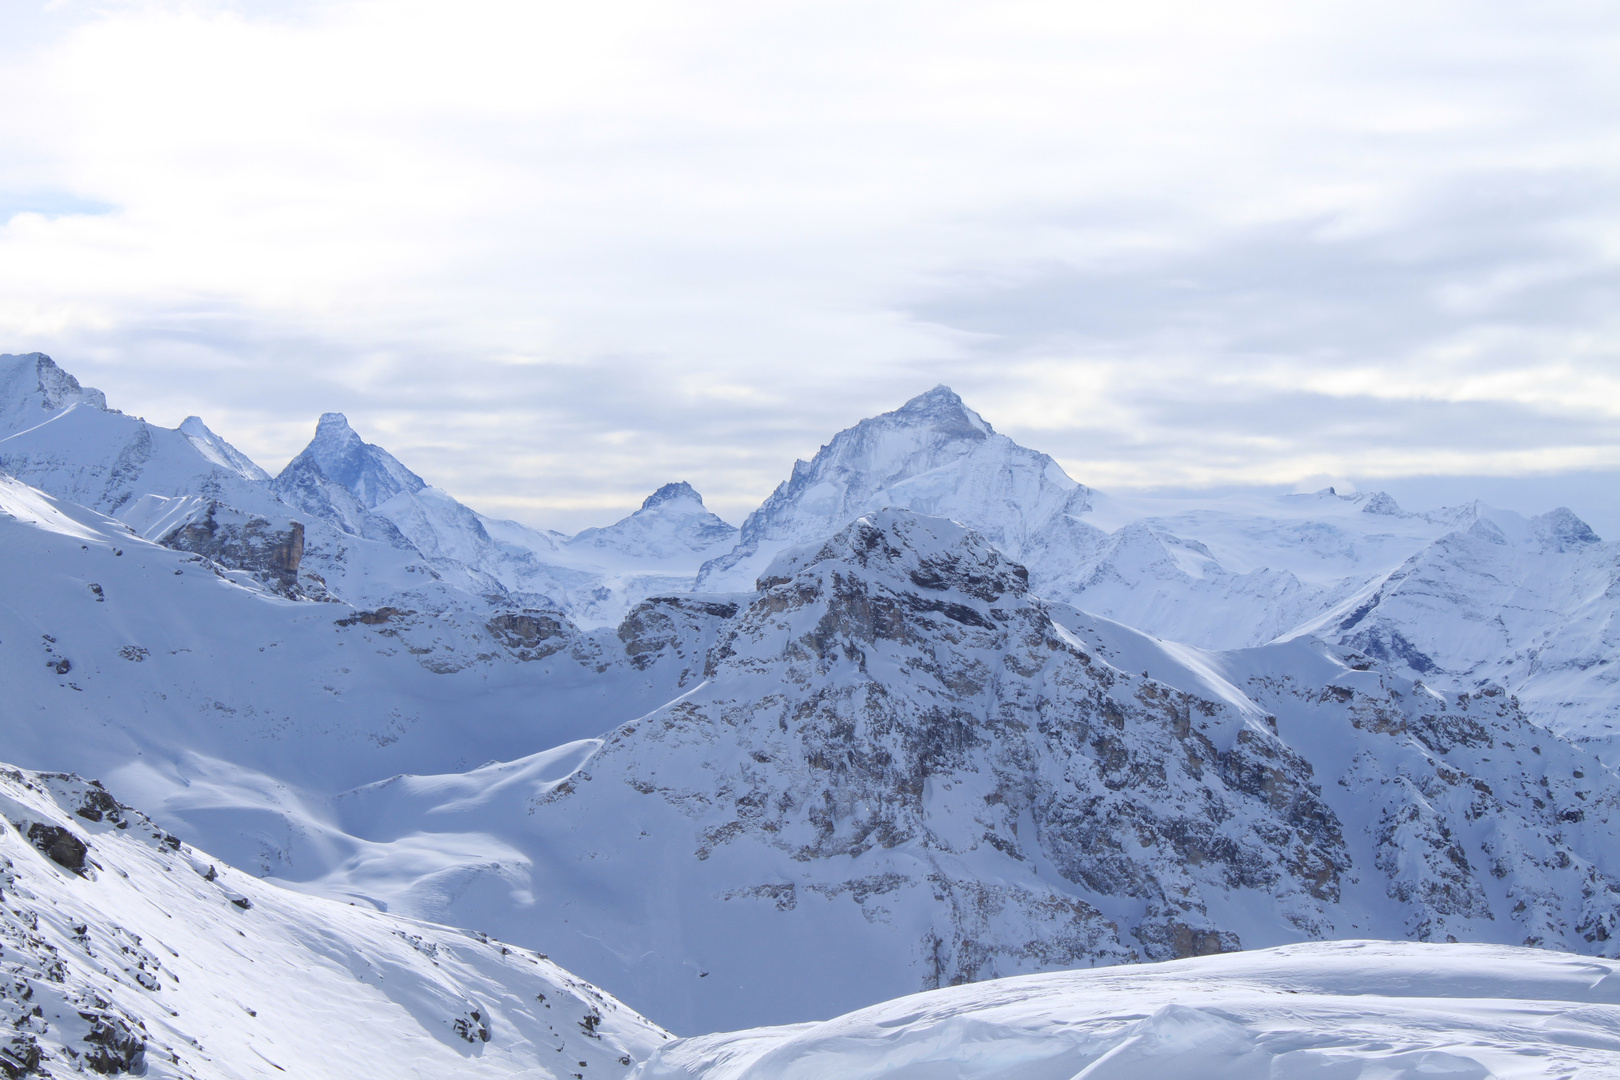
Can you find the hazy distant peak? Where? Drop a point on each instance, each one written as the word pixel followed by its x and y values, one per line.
pixel 679 490
pixel 1383 503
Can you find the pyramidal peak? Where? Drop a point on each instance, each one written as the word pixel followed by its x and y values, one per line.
pixel 672 527
pixel 934 456
pixel 334 427
pixel 371 474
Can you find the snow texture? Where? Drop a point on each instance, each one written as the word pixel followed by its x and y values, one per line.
pixel 1354 1010
pixel 126 950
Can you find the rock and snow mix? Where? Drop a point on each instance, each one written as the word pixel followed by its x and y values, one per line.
pixel 955 716
pixel 1354 1010
pixel 899 750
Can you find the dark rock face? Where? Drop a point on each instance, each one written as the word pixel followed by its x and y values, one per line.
pixel 533 635
pixel 59 845
pixel 472 1026
pixel 679 627
pixel 253 544
pixel 114 1045
pixel 374 618
pixel 98 805
pixel 287 554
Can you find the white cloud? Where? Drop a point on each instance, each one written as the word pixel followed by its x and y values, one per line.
pixel 554 254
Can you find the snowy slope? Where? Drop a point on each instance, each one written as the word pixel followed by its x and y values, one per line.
pixel 128 951
pixel 899 749
pixel 1237 571
pixel 1530 604
pixel 229 711
pixel 1355 1010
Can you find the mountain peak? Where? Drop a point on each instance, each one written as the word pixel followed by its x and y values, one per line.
pixel 371 474
pixel 943 408
pixel 934 456
pixel 220 452
pixel 334 425
pixel 32 384
pixel 680 489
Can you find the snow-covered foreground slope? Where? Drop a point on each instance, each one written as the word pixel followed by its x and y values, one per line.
pixel 128 951
pixel 1353 1010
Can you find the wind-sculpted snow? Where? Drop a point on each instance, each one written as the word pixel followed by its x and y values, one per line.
pixel 1355 1010
pixel 124 950
pixel 934 456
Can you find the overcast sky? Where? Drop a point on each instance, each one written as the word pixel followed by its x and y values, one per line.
pixel 553 255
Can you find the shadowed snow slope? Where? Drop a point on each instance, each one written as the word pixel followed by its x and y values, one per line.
pixel 127 951
pixel 1353 1010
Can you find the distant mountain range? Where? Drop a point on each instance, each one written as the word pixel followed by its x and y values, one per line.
pixel 936 713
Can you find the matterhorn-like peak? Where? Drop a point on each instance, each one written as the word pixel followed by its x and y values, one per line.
pixel 369 472
pixel 334 427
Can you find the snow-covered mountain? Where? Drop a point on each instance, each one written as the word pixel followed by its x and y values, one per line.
pixel 896 747
pixel 1354 1009
pixel 154 668
pixel 673 528
pixel 128 951
pixel 1244 570
pixel 933 455
pixel 33 389
pixel 594 577
pixel 345 519
pixel 957 713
